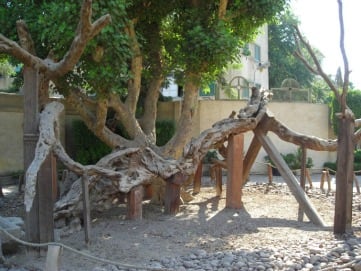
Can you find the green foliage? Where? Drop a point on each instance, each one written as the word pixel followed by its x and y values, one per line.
pixel 6 69
pixel 353 99
pixel 356 165
pixel 211 154
pixel 330 165
pixel 281 48
pixel 89 149
pixel 165 129
pixel 293 160
pixel 320 91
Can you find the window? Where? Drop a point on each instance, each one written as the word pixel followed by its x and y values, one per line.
pixel 257 53
pixel 245 93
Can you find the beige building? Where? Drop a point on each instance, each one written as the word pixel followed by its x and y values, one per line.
pixel 252 71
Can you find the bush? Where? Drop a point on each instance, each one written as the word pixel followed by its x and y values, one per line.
pixel 330 165
pixel 89 149
pixel 211 154
pixel 165 129
pixel 293 160
pixel 356 165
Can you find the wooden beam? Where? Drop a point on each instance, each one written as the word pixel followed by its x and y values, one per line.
pixel 235 169
pixel 290 179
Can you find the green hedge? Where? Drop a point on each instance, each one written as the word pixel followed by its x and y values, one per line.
pixel 89 149
pixel 165 129
pixel 356 165
pixel 353 99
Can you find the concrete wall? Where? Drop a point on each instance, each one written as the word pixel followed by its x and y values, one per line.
pixel 11 133
pixel 311 119
pixel 306 118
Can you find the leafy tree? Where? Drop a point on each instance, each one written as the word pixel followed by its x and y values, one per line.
pixel 282 44
pixel 354 103
pixel 126 64
pixel 114 76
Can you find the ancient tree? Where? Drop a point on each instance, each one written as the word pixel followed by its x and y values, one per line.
pixel 111 71
pixel 114 77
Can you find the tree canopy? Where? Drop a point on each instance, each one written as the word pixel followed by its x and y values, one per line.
pixel 126 64
pixel 282 45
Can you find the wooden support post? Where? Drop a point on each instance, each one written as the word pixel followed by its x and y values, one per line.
pixel 47 196
pixel 39 223
pixel 218 181
pixel 290 179
pixel 172 198
pixel 270 173
pixel 148 192
pixel 250 157
pixel 328 180
pixel 235 174
pixel 355 180
pixel 31 123
pixel 172 193
pixel 308 176
pixel 197 182
pixel 134 206
pixel 325 176
pixel 53 258
pixel 302 180
pixel 86 208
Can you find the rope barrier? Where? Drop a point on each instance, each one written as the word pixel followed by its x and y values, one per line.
pixel 84 254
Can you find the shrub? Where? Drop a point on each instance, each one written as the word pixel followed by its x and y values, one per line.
pixel 330 165
pixel 165 129
pixel 293 160
pixel 211 154
pixel 89 149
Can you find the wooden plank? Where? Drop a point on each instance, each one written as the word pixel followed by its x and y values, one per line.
pixel 198 179
pixel 290 179
pixel 135 203
pixel 235 171
pixel 86 208
pixel 53 258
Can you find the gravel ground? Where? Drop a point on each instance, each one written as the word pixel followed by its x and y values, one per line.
pixel 204 235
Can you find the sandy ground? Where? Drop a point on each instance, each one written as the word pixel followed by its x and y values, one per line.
pixel 269 216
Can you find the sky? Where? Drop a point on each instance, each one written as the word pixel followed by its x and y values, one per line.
pixel 320 25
